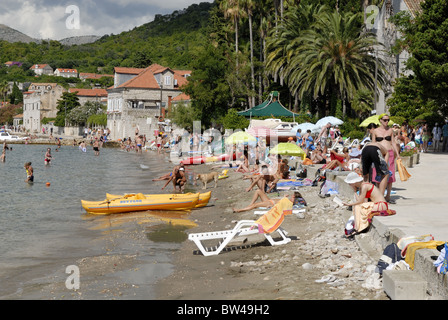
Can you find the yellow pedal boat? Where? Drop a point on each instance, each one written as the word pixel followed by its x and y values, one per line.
pixel 139 202
pixel 204 198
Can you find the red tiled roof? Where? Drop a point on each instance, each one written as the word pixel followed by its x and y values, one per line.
pixel 414 6
pixel 67 70
pixel 93 75
pixel 38 66
pixel 145 79
pixel 128 70
pixel 89 92
pixel 181 97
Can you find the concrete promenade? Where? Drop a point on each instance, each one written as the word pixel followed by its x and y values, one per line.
pixel 422 201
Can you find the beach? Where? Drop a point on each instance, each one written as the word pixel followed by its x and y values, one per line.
pixel 318 264
pixel 255 270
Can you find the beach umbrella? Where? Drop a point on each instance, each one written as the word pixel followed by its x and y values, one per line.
pixel 240 137
pixel 330 119
pixel 262 132
pixel 306 126
pixel 288 149
pixel 373 119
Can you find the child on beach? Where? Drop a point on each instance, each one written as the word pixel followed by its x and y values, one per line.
pixel 29 172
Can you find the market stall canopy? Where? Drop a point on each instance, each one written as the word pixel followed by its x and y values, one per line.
pixel 269 108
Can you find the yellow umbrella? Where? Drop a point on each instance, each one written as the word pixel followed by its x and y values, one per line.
pixel 373 119
pixel 288 149
pixel 240 137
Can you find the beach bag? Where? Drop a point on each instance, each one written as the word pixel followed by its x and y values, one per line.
pixel 302 173
pixel 443 269
pixel 402 171
pixel 391 254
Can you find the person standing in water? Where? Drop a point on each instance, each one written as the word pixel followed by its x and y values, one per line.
pixel 29 172
pixel 48 156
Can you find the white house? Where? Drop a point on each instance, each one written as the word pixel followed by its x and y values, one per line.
pixel 138 102
pixel 66 73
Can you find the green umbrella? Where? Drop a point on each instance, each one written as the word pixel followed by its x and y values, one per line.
pixel 373 119
pixel 240 137
pixel 288 149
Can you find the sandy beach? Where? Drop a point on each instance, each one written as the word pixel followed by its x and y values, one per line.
pixel 252 270
pixel 257 271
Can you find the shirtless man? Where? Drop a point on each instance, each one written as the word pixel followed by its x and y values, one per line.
pixel 384 136
pixel 173 176
pixel 96 147
pixel 322 137
pixel 139 143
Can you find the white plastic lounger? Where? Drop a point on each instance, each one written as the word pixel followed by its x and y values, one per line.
pixel 266 225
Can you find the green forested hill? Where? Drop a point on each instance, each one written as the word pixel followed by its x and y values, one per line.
pixel 170 40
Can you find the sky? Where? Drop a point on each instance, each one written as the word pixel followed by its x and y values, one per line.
pixel 51 19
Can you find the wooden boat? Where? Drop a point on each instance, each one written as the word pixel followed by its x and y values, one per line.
pixel 204 198
pixel 139 202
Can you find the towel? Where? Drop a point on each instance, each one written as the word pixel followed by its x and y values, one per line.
pixel 365 212
pixel 402 171
pixel 410 252
pixel 270 221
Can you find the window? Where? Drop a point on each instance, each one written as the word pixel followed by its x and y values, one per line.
pixel 168 80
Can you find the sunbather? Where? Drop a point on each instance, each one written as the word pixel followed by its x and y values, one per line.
pixel 363 210
pixel 265 201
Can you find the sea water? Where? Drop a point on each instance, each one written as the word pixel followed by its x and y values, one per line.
pixel 43 228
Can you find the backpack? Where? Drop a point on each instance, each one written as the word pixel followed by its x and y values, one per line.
pixel 391 254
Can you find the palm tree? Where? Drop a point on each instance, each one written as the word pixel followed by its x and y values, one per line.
pixel 232 9
pixel 249 6
pixel 332 54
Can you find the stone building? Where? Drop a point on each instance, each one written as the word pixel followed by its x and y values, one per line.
pixel 388 35
pixel 40 69
pixel 140 97
pixel 93 95
pixel 66 73
pixel 40 101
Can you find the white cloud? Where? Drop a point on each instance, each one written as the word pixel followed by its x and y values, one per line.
pixel 47 18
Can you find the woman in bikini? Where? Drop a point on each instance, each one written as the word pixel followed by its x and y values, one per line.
pixel 384 135
pixel 363 210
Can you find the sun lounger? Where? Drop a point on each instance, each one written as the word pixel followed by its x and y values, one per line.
pixel 267 224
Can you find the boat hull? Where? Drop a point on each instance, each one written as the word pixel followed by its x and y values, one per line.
pixel 202 201
pixel 132 203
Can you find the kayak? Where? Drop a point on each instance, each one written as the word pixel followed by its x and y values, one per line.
pixel 139 202
pixel 202 201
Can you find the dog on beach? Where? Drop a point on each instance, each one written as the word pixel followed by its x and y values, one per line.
pixel 208 177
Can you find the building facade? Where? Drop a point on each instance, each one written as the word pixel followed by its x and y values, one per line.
pixel 140 97
pixel 40 101
pixel 40 69
pixel 388 35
